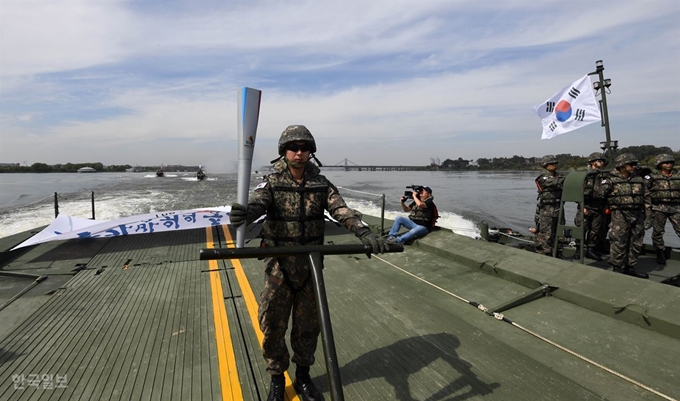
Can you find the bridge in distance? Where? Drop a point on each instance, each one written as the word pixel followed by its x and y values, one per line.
pixel 348 165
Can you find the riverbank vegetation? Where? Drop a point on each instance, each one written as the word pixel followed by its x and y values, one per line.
pixel 61 168
pixel 644 153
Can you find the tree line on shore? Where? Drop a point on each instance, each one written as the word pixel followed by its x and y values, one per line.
pixel 644 153
pixel 566 162
pixel 59 168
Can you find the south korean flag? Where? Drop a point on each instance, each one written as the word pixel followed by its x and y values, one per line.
pixel 571 108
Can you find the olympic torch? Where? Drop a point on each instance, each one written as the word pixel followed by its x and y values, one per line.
pixel 248 116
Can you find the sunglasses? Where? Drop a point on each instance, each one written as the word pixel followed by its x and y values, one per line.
pixel 295 147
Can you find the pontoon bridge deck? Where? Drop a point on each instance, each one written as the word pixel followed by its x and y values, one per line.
pixel 141 317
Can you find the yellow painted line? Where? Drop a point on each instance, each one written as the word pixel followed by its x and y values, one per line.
pixel 226 360
pixel 251 305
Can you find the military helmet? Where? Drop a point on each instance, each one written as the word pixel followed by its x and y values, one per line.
pixel 548 159
pixel 596 156
pixel 663 158
pixel 623 159
pixel 295 133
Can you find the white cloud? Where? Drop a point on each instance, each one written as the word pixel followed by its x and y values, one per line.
pixel 113 80
pixel 53 36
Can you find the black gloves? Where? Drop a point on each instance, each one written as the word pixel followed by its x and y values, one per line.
pixel 370 238
pixel 239 215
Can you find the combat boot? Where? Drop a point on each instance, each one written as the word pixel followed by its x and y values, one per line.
pixel 277 388
pixel 593 254
pixel 304 386
pixel 630 271
pixel 660 257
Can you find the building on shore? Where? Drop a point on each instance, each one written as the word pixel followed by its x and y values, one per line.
pixel 87 170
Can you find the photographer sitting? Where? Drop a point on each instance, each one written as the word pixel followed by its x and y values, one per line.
pixel 421 219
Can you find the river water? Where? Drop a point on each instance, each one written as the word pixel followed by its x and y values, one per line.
pixel 464 199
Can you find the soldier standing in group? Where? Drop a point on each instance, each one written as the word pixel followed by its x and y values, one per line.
pixel 549 185
pixel 626 197
pixel 664 191
pixel 294 198
pixel 593 210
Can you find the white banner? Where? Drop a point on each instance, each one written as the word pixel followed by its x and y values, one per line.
pixel 571 108
pixel 67 227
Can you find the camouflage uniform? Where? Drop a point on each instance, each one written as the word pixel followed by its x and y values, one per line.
pixel 664 191
pixel 549 185
pixel 626 199
pixel 295 216
pixel 594 219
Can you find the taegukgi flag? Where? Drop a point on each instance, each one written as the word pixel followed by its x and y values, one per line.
pixel 571 108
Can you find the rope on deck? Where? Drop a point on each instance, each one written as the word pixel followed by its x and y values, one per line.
pixel 500 317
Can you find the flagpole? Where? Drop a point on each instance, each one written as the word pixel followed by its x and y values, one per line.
pixel 602 85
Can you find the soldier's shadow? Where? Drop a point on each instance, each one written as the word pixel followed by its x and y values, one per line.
pixel 396 362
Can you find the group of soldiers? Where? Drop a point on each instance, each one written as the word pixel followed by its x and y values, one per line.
pixel 634 199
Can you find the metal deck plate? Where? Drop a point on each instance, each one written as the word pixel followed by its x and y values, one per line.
pixel 147 320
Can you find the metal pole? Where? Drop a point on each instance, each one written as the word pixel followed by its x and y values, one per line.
pixel 327 340
pixel 56 206
pixel 382 216
pixel 605 114
pixel 293 250
pixel 92 205
pixel 22 292
pixel 484 230
pixel 608 146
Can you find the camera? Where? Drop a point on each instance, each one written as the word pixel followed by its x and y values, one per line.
pixel 408 195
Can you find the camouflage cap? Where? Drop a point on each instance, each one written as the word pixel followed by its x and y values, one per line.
pixel 596 156
pixel 623 159
pixel 663 158
pixel 548 159
pixel 295 133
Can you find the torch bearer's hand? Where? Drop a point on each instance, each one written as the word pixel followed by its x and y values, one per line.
pixel 240 215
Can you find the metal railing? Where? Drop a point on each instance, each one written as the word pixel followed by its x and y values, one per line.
pixel 56 204
pixel 382 207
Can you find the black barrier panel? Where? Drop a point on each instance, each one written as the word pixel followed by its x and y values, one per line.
pixel 276 252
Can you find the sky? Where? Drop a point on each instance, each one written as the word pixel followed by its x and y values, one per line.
pixel 376 82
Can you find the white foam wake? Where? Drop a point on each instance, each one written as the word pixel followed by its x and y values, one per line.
pixel 454 222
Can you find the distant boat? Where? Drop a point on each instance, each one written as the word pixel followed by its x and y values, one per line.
pixel 160 173
pixel 87 170
pixel 135 169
